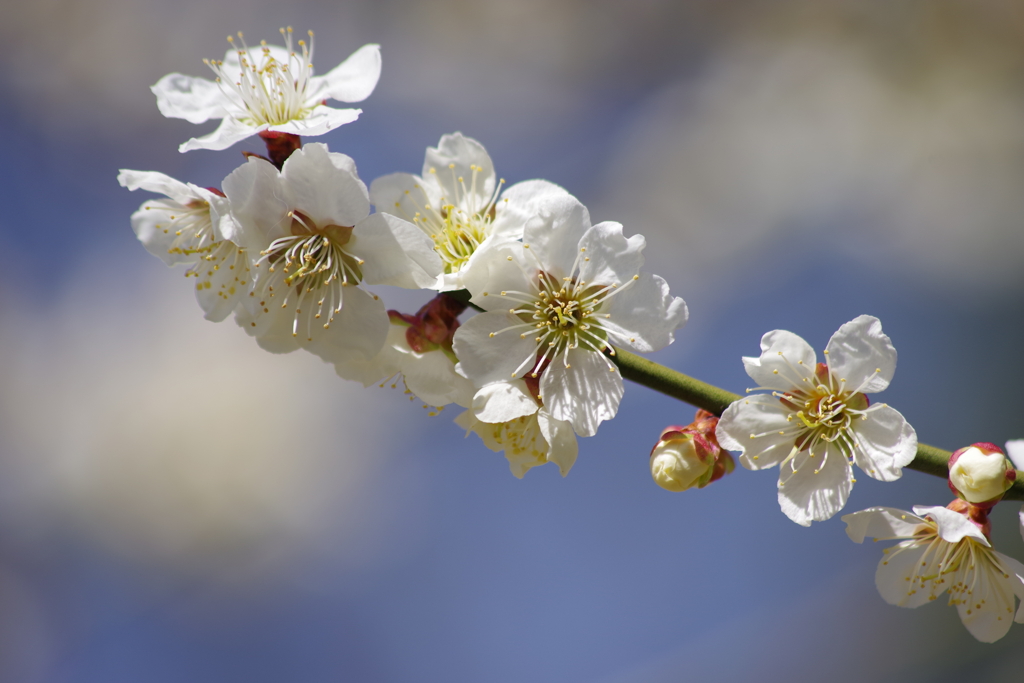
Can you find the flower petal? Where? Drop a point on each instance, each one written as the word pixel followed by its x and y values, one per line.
pixel 152 181
pixel 861 356
pixel 230 131
pixel 222 281
pixel 610 258
pixel 752 426
pixel 886 443
pixel 451 160
pixel 495 270
pixel 554 235
pixel 644 317
pixel 521 202
pixel 1015 452
pixel 894 576
pixel 431 377
pixel 190 98
pixel 987 611
pixel 395 252
pixel 321 119
pixel 881 523
pixel 353 80
pixel 485 358
pixel 258 204
pixel 952 526
pixel 503 401
pixel 585 393
pixel 786 362
pixel 562 445
pixel 323 186
pixel 360 328
pixel 811 492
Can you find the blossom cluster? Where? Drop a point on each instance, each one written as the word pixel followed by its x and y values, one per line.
pixel 291 244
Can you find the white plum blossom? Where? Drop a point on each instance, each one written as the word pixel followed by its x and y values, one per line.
pixel 268 88
pixel 311 242
pixel 1015 452
pixel 943 551
pixel 509 417
pixel 459 203
pixel 192 226
pixel 556 302
pixel 816 420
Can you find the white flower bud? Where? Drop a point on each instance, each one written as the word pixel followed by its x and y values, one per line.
pixel 676 465
pixel 980 475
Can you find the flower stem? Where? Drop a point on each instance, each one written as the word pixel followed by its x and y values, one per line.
pixel 929 459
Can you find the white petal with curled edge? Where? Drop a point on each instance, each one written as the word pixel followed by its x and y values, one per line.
pixel 521 202
pixel 153 181
pixel 585 394
pixel 886 443
pixel 894 575
pixel 762 415
pixel 360 328
pixel 610 258
pixel 807 495
pixel 230 131
pixel 880 522
pixel 190 98
pixel 1015 452
pixel 351 81
pixel 562 445
pixel 952 526
pixel 395 252
pixel 451 160
pixel 321 119
pixel 644 317
pixel 503 401
pixel 786 361
pixel 861 356
pixel 554 235
pixel 485 359
pixel 323 186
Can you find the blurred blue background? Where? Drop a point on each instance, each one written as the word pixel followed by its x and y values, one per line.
pixel 177 505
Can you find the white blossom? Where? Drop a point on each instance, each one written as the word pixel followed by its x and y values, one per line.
pixel 556 302
pixel 508 417
pixel 312 241
pixel 943 551
pixel 458 202
pixel 816 420
pixel 192 226
pixel 268 88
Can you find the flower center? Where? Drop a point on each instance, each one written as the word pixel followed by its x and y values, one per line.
pixel 271 92
pixel 310 265
pixel 460 224
pixel 191 225
pixel 562 315
pixel 826 411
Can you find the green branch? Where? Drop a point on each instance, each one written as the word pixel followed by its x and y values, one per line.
pixel 929 459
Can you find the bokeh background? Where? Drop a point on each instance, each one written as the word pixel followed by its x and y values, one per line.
pixel 177 505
